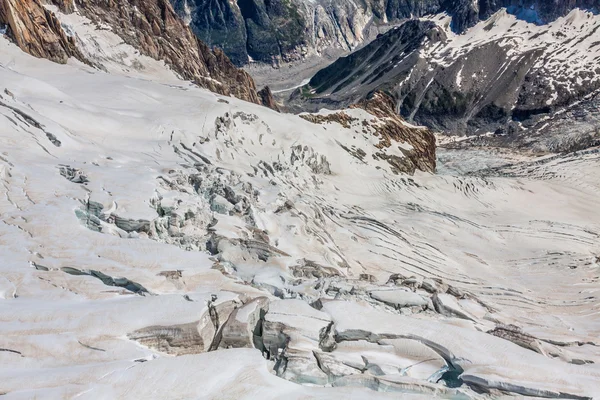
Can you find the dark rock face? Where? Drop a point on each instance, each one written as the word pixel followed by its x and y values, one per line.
pixel 266 98
pixel 387 51
pixel 273 27
pixel 258 29
pixel 217 23
pixel 271 31
pixel 497 86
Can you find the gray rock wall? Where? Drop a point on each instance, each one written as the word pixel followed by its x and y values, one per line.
pixel 274 31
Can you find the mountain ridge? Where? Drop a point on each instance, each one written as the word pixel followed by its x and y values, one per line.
pixel 288 31
pixel 151 26
pixel 504 76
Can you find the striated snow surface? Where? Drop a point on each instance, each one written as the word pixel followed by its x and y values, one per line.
pixel 160 241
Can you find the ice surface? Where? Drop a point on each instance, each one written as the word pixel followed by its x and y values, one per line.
pixel 209 202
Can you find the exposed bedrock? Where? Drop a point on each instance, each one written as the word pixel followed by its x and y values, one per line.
pixel 37 31
pixel 152 27
pixel 416 144
pixel 289 30
pixel 504 81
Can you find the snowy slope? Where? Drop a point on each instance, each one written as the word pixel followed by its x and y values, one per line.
pixel 161 241
pixel 570 48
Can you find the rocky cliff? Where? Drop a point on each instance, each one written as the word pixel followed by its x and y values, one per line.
pixel 392 129
pixel 415 144
pixel 277 31
pixel 151 26
pixel 503 76
pixel 37 31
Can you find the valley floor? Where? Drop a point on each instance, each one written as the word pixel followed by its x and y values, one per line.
pixel 285 79
pixel 161 241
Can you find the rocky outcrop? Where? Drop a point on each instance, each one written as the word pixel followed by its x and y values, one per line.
pixel 415 144
pixel 288 30
pixel 266 98
pixel 152 27
pixel 155 29
pixel 505 77
pixel 341 118
pixel 37 31
pixel 419 155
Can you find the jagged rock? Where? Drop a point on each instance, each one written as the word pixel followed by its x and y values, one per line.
pixel 37 31
pixel 65 6
pixel 288 31
pixel 150 26
pixel 341 118
pixel 392 129
pixel 416 144
pixel 266 98
pixel 153 27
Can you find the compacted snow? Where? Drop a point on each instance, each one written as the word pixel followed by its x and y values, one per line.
pixel 161 241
